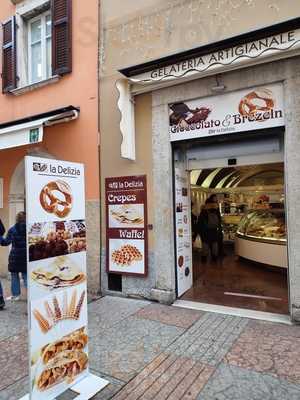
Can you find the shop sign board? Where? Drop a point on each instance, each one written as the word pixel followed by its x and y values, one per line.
pixel 57 284
pixel 126 225
pixel 184 266
pixel 257 51
pixel 243 110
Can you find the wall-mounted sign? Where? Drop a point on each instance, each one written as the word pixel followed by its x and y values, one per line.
pixel 244 110
pixel 126 225
pixel 254 52
pixel 56 263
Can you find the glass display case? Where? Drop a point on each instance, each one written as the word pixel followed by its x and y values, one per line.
pixel 261 237
pixel 264 225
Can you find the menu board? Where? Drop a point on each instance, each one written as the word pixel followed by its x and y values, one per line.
pixel 56 265
pixel 126 225
pixel 183 232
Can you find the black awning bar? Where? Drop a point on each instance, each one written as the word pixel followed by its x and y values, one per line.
pixel 35 117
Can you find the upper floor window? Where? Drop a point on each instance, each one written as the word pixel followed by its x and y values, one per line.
pixel 39 49
pixel 37 43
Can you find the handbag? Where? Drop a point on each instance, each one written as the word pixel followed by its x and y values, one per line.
pixel 2 228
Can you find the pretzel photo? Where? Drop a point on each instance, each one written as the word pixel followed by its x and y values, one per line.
pixel 256 101
pixel 52 202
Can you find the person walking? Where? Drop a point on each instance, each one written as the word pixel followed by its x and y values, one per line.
pixel 209 227
pixel 2 302
pixel 16 236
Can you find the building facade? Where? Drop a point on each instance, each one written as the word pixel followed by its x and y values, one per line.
pixel 162 67
pixel 49 102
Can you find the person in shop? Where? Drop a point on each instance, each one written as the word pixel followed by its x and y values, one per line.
pixel 16 236
pixel 194 220
pixel 2 302
pixel 210 228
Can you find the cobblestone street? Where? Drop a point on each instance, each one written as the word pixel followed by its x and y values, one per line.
pixel 150 351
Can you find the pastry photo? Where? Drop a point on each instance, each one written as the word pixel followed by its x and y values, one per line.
pixel 126 255
pixel 61 361
pixel 52 239
pixel 59 309
pixel 61 272
pixel 56 198
pixel 126 215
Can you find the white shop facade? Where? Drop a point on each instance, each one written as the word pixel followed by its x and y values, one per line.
pixel 225 124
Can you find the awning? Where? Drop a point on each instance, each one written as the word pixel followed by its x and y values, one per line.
pixel 30 130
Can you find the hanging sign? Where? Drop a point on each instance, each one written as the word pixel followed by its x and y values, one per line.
pixel 184 265
pixel 244 110
pixel 126 225
pixel 56 265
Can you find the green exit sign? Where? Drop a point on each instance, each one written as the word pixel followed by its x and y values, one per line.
pixel 34 135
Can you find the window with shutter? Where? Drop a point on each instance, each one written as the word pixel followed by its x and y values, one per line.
pixel 61 36
pixel 9 56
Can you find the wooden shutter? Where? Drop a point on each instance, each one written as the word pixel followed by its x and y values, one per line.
pixel 61 11
pixel 9 55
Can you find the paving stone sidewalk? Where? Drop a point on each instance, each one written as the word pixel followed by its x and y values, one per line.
pixel 150 351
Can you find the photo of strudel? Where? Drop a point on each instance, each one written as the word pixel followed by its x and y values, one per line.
pixel 62 361
pixel 61 272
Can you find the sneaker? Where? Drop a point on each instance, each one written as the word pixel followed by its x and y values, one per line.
pixel 13 298
pixel 2 303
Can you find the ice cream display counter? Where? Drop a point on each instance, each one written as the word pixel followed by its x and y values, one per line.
pixel 261 237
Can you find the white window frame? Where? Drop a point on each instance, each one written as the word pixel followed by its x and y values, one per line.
pixel 44 38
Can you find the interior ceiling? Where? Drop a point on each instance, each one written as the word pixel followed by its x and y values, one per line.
pixel 218 178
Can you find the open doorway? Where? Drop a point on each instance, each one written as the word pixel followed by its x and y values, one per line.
pixel 243 261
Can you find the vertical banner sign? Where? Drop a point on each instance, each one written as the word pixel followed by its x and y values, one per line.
pixel 126 225
pixel 56 265
pixel 183 232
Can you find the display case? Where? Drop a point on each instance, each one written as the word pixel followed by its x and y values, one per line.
pixel 261 237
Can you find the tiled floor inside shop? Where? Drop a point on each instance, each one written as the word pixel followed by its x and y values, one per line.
pixel 237 282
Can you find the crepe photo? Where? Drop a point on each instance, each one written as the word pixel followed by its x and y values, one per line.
pixel 59 272
pixel 126 215
pixel 60 362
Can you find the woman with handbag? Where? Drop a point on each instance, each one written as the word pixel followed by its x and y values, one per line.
pixel 16 236
pixel 2 302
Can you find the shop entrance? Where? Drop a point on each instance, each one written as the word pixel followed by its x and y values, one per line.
pixel 239 241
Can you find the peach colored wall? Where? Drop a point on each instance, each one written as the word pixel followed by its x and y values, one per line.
pixel 74 141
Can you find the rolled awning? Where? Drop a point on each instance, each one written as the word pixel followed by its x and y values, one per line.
pixel 30 130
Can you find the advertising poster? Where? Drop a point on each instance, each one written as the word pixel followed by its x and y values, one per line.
pixel 184 262
pixel 243 110
pixel 126 225
pixel 56 265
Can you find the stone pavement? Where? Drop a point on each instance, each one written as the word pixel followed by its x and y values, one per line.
pixel 150 351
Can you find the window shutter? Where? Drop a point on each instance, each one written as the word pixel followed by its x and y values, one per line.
pixel 61 11
pixel 9 55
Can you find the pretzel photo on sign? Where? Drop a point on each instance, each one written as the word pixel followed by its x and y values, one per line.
pixel 256 101
pixel 56 198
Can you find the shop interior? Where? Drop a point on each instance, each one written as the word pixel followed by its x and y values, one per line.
pixel 250 270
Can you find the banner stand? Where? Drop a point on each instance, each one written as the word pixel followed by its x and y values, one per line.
pixel 87 388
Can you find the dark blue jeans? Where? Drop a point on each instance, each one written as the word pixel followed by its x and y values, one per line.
pixel 15 283
pixel 1 290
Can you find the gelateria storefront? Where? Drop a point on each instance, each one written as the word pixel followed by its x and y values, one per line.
pixel 226 165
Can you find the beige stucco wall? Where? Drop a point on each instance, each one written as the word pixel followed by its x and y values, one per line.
pixel 136 32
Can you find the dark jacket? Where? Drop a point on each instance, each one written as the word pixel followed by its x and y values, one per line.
pixel 209 233
pixel 16 236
